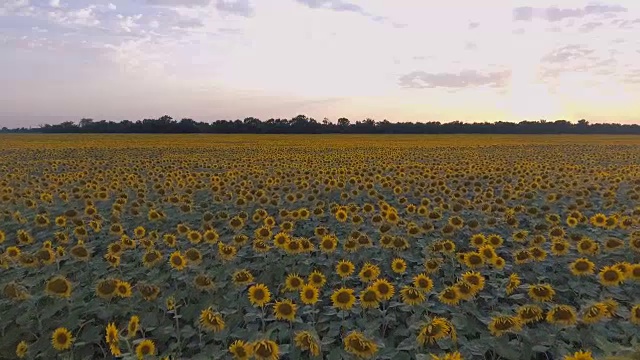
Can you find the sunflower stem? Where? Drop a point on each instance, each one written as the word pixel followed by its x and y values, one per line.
pixel 177 321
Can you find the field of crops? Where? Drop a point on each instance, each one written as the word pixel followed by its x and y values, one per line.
pixel 319 247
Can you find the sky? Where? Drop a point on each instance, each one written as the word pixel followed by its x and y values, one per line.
pixel 401 60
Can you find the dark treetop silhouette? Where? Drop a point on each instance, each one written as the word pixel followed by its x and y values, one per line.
pixel 305 125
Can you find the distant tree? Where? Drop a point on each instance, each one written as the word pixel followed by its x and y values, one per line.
pixel 343 122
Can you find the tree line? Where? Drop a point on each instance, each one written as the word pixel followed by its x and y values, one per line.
pixel 302 124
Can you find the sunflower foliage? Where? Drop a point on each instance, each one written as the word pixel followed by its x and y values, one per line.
pixel 267 247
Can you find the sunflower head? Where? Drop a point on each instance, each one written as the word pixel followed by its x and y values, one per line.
pixel 61 339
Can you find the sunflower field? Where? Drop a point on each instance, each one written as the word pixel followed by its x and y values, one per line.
pixel 319 247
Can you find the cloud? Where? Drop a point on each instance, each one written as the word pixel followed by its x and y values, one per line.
pixel 590 26
pixel 527 13
pixel 186 3
pixel 237 7
pixel 567 53
pixel 54 3
pixel 80 17
pixel 188 23
pixel 112 6
pixel 10 6
pixel 337 5
pixel 473 25
pixel 464 79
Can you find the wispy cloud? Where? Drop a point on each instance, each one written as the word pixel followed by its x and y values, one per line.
pixel 463 79
pixel 527 13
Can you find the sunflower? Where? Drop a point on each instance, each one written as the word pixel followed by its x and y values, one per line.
pixel 203 282
pixel 399 266
pixel 15 291
pixel 538 253
pixel 522 256
pixel 513 283
pixel 293 282
pixel 587 246
pixel 46 256
pixel 170 240
pixel 594 313
pixel 112 335
pixel 170 303
pixel 194 236
pixel 177 261
pixel 211 236
pixel 211 321
pixel 598 220
pixel 328 244
pixel 432 265
pixel 465 290
pixel 127 242
pixel 383 288
pixel 345 268
pixel 635 314
pixel 625 268
pixel 317 279
pixel 560 247
pixel 145 348
pixel 133 327
pixel 106 288
pixel 611 305
pixel 357 344
pixel 613 244
pixel 634 272
pixel 306 341
pixel 259 295
pixel 294 246
pixel 139 232
pixel 610 276
pixel 285 310
pixel 61 339
pixel 450 296
pixel 28 260
pixel 149 292
pixel 487 252
pixel 227 252
pixel 241 350
pixel 123 289
pixel 436 329
pixel 530 313
pixel 501 325
pixel 369 272
pixel 58 286
pixel 412 295
pixel 579 355
pixel 634 244
pixel 22 349
pixel 477 240
pixel 266 350
pixel 369 298
pixel 193 256
pixel 423 282
pixel 562 315
pixel 12 252
pixel 152 258
pixel 309 294
pixel 582 267
pixel 541 292
pixel 115 248
pixel 281 239
pixel 474 279
pixel 242 277
pixel 80 252
pixel 343 298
